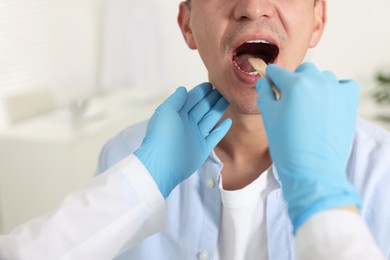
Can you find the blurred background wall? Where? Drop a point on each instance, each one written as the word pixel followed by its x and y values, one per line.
pixel 79 48
pixel 75 72
pixel 356 44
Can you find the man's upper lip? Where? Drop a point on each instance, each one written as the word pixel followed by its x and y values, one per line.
pixel 251 37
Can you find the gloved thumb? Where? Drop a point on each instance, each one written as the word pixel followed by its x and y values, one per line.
pixel 265 95
pixel 264 89
pixel 281 77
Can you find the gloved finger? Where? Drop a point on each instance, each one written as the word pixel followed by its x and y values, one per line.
pixel 265 95
pixel 175 101
pixel 351 90
pixel 351 86
pixel 204 106
pixel 279 76
pixel 209 121
pixel 196 94
pixel 307 67
pixel 218 133
pixel 330 76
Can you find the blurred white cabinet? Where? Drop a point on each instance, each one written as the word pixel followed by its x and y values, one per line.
pixel 44 158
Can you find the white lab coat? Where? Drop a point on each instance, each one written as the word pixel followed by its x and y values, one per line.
pixel 112 213
pixel 123 206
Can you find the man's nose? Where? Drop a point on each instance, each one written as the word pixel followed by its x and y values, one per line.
pixel 253 9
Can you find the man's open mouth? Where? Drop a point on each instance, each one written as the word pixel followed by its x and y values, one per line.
pixel 254 49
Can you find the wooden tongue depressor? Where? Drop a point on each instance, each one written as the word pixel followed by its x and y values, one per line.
pixel 259 65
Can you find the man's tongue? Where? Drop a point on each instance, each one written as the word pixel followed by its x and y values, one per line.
pixel 243 64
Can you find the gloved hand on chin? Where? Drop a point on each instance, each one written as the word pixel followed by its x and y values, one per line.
pixel 181 134
pixel 310 132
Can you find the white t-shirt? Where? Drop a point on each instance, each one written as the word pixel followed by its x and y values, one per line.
pixel 243 233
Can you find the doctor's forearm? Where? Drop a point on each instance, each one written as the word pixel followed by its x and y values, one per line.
pixel 337 234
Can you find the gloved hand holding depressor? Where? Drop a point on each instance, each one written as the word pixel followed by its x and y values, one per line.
pixel 310 133
pixel 181 134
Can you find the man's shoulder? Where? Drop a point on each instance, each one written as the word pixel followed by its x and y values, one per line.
pixel 121 145
pixel 371 148
pixel 370 132
pixel 369 165
pixel 369 171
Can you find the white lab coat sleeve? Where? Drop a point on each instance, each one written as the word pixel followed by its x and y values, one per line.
pixel 336 234
pixel 109 215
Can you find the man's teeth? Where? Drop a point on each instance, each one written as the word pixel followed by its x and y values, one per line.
pixel 258 41
pixel 252 73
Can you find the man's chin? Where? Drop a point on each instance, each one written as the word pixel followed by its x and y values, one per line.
pixel 248 112
pixel 246 109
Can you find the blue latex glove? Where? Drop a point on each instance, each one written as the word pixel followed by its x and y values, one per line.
pixel 181 134
pixel 310 133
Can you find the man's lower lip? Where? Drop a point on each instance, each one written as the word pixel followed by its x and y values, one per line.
pixel 244 77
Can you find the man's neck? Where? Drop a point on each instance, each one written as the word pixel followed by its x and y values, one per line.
pixel 243 151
